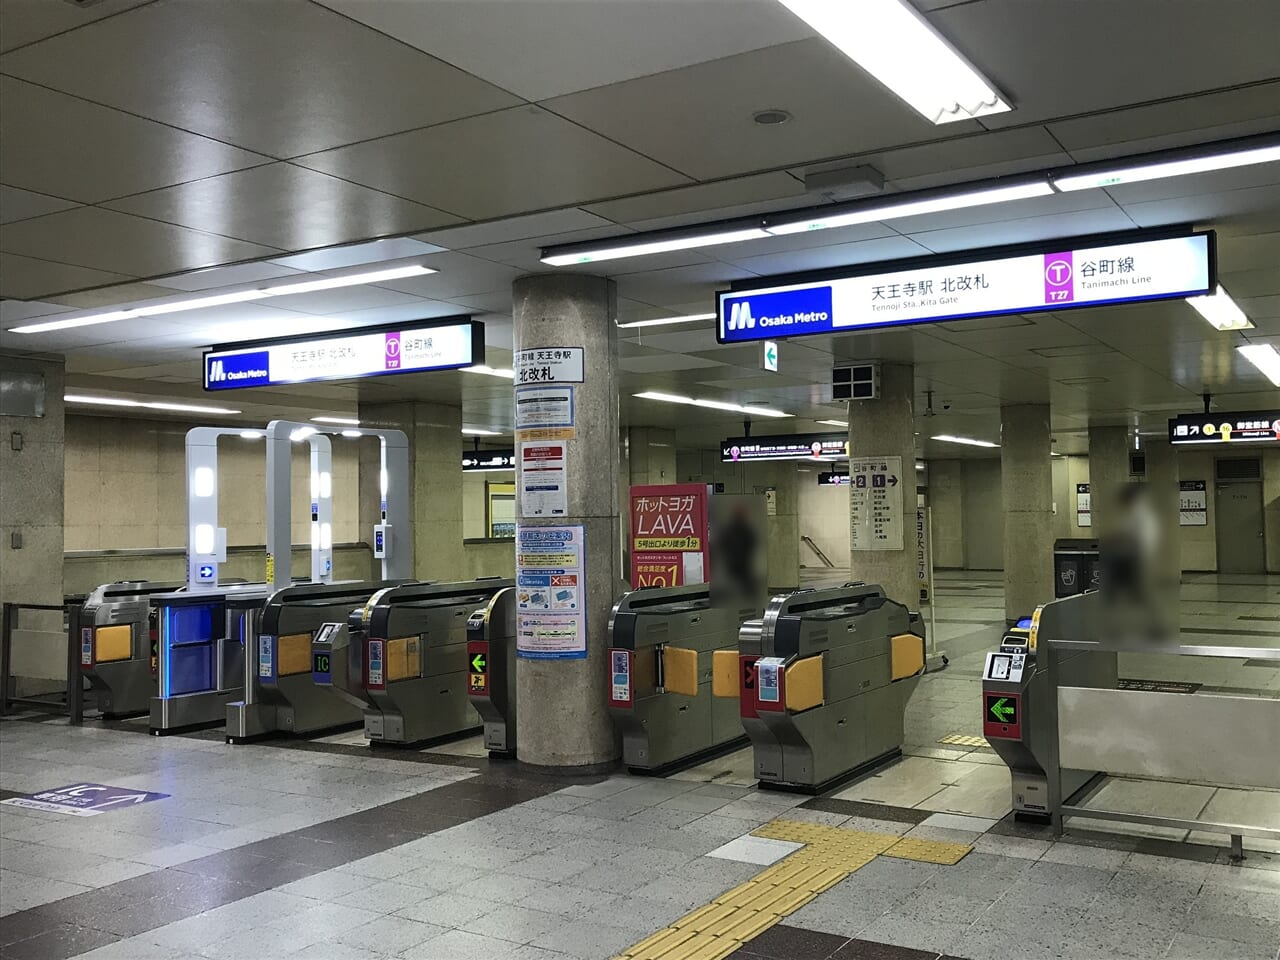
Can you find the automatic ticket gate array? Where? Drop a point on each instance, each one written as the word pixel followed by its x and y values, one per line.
pixel 1016 699
pixel 663 647
pixel 201 639
pixel 823 681
pixel 419 668
pixel 118 643
pixel 280 694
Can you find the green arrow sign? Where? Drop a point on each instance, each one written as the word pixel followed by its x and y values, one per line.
pixel 1003 710
pixel 478 663
pixel 771 356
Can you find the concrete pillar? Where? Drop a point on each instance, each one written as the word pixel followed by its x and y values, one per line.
pixel 31 517
pixel 564 719
pixel 885 428
pixel 1026 483
pixel 435 477
pixel 1164 495
pixel 1108 471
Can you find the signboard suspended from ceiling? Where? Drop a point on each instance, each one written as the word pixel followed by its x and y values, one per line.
pixel 799 446
pixel 1007 280
pixel 367 352
pixel 1248 427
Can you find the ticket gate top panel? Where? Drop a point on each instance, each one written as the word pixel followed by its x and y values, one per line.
pixel 381 617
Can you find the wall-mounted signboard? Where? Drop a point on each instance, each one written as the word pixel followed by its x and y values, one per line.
pixel 1024 279
pixel 368 352
pixel 1251 426
pixel 489 460
pixel 1193 503
pixel 800 446
pixel 669 540
pixel 833 479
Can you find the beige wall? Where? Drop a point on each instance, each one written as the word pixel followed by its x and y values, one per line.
pixel 126 487
pixel 946 501
pixel 983 515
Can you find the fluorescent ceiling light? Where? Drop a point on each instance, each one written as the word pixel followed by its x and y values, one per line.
pixel 477 432
pixel 240 296
pixel 1265 358
pixel 302 433
pixel 251 434
pixel 148 404
pixel 489 371
pixel 1122 172
pixel 900 48
pixel 919 466
pixel 344 421
pixel 1220 310
pixel 966 440
pixel 834 423
pixel 880 212
pixel 711 404
pixel 614 250
pixel 352 433
pixel 665 321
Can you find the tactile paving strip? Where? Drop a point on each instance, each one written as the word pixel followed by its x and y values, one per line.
pixel 964 740
pixel 830 854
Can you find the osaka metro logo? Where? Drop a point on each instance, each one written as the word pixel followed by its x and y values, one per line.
pixel 740 316
pixel 216 373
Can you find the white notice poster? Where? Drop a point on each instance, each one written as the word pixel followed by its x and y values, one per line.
pixel 875 503
pixel 544 487
pixel 1193 504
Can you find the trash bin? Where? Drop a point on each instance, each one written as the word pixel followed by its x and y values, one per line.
pixel 1075 567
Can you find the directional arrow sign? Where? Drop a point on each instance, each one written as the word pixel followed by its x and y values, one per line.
pixel 1003 710
pixel 893 481
pixel 771 356
pixel 479 662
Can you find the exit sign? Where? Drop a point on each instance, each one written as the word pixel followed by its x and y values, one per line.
pixel 770 358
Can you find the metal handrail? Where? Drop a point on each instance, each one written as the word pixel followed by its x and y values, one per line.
pixel 808 541
pixel 72 699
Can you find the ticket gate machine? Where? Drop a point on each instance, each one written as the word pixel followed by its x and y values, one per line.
pixel 1016 698
pixel 279 693
pixel 662 645
pixel 116 637
pixel 201 638
pixel 824 679
pixel 491 671
pixel 415 674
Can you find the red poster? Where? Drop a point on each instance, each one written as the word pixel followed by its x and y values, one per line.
pixel 668 535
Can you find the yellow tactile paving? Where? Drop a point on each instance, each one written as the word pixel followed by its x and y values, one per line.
pixel 928 851
pixel 828 856
pixel 964 740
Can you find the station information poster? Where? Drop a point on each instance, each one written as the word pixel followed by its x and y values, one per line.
pixel 668 535
pixel 551 593
pixel 1193 503
pixel 875 503
pixel 545 413
pixel 1084 514
pixel 544 480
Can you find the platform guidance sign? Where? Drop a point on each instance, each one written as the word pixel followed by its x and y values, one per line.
pixel 416 348
pixel 875 503
pixel 551 593
pixel 1258 426
pixel 951 288
pixel 85 799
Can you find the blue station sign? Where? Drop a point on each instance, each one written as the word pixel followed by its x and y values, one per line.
pixel 1021 280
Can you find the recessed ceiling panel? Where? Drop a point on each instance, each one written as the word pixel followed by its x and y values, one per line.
pixel 1208 208
pixel 705 198
pixel 547 224
pixel 27 278
pixel 833 256
pixel 284 206
pixel 459 275
pixel 699 119
pixel 497 165
pixel 226 276
pixel 283 80
pixel 1103 220
pixel 106 240
pixel 1057 59
pixel 110 296
pixel 355 254
pixel 26 21
pixel 18 204
pixel 67 147
pixel 543 48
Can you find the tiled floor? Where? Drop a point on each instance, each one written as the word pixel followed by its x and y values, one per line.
pixel 325 850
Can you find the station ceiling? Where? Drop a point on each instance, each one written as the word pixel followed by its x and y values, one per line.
pixel 151 149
